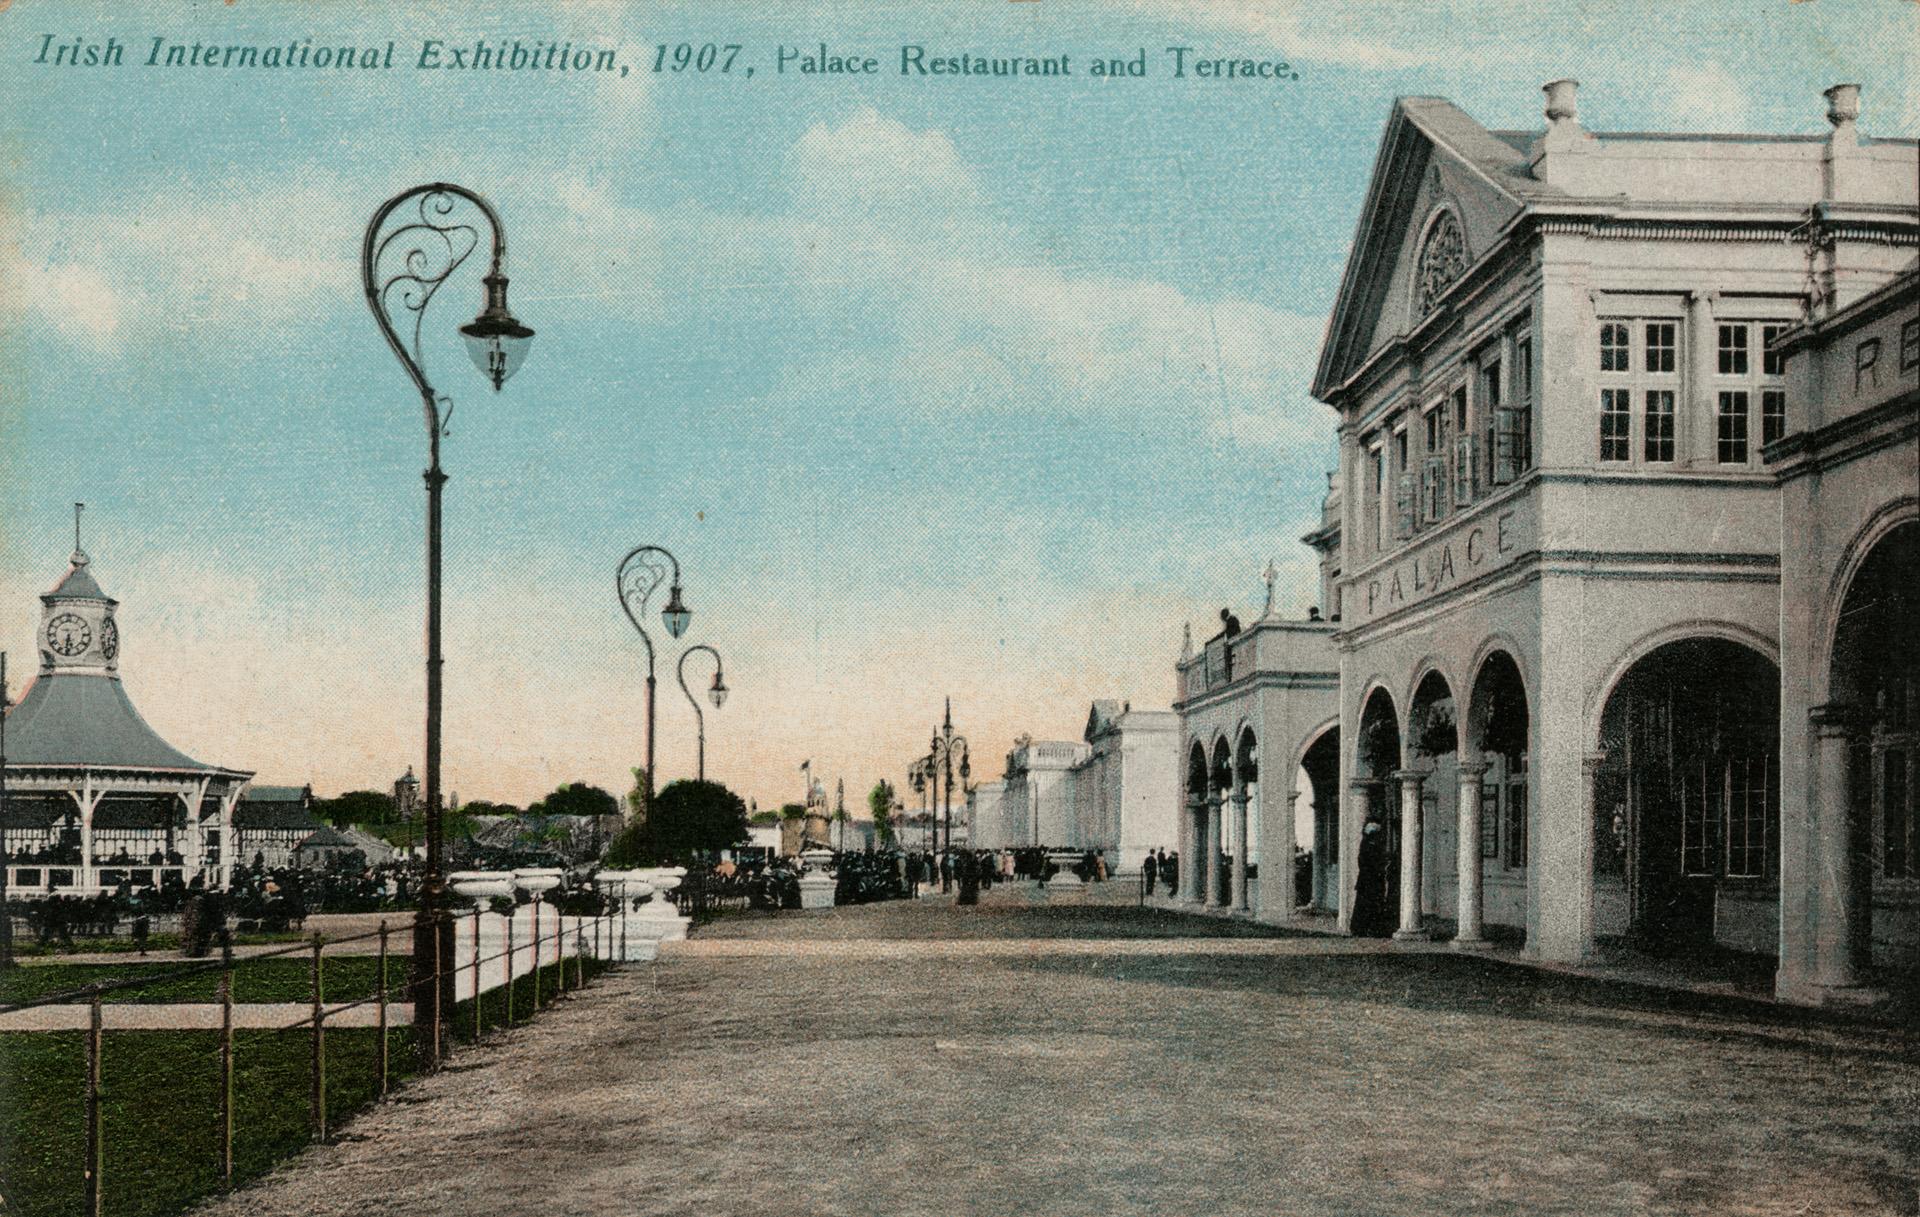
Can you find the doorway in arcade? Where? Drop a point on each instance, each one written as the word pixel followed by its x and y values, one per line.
pixel 1686 802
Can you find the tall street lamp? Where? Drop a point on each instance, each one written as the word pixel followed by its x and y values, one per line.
pixel 640 574
pixel 414 243
pixel 918 775
pixel 6 855
pixel 716 693
pixel 947 747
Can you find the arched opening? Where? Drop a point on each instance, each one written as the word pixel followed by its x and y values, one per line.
pixel 1246 823
pixel 1498 735
pixel 1219 807
pixel 1433 744
pixel 1316 823
pixel 1876 673
pixel 1376 881
pixel 1193 835
pixel 1687 798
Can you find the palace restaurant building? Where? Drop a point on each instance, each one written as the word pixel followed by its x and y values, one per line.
pixel 1621 557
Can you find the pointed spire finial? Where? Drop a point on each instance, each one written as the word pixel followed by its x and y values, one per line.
pixel 949 719
pixel 79 555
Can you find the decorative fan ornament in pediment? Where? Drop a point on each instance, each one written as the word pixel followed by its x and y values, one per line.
pixel 1443 256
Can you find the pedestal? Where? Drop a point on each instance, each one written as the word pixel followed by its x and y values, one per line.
pixel 816 890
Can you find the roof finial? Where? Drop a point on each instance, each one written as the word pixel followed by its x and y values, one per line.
pixel 949 721
pixel 79 555
pixel 1270 574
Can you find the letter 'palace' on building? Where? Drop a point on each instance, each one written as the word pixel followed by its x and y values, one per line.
pixel 1622 558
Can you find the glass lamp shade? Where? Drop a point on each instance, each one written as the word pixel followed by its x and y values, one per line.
pixel 718 693
pixel 677 615
pixel 495 341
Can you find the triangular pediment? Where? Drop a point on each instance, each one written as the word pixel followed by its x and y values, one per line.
pixel 1437 168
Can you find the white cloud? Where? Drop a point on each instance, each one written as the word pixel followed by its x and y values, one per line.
pixel 74 298
pixel 1707 97
pixel 1302 32
pixel 872 162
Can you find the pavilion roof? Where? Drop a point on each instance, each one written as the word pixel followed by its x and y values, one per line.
pixel 76 720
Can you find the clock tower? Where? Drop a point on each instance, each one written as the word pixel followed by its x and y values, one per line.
pixel 78 634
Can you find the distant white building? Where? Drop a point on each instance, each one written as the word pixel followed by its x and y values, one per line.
pixel 1116 790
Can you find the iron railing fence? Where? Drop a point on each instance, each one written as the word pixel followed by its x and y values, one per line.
pixel 182 1076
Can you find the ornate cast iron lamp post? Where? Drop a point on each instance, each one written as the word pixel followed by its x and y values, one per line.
pixel 946 748
pixel 414 243
pixel 716 693
pixel 640 574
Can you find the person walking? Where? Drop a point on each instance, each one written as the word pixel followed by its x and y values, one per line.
pixel 1149 870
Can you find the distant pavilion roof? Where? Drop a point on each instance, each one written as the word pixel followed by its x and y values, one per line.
pixel 70 720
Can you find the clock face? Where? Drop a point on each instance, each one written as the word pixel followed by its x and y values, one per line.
pixel 109 639
pixel 68 635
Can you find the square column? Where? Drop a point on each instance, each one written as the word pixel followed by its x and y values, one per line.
pixel 1472 924
pixel 1187 890
pixel 1412 844
pixel 1211 854
pixel 1240 850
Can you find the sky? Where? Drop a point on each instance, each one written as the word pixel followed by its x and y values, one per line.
pixel 936 387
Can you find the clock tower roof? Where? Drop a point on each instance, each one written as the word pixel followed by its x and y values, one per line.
pixel 78 584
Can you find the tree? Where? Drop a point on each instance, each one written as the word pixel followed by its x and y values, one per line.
pixel 482 807
pixel 637 797
pixel 764 819
pixel 793 811
pixel 697 818
pixel 576 799
pixel 880 806
pixel 358 807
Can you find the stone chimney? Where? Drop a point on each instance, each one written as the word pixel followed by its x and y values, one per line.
pixel 1843 143
pixel 1564 136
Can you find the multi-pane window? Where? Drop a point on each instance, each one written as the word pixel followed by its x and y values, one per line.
pixel 1748 816
pixel 1660 345
pixel 1772 362
pixel 1730 426
pixel 1433 470
pixel 1773 414
pixel 1377 488
pixel 1639 366
pixel 1616 424
pixel 1615 353
pixel 1659 424
pixel 1733 349
pixel 1760 381
pixel 1516 812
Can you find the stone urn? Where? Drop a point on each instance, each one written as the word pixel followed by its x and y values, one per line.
pixel 658 916
pixel 480 886
pixel 623 887
pixel 537 880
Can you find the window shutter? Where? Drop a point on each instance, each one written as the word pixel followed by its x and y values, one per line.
pixel 1403 505
pixel 1508 436
pixel 1466 469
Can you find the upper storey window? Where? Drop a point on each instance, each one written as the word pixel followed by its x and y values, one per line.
pixel 1748 374
pixel 1442 258
pixel 1639 378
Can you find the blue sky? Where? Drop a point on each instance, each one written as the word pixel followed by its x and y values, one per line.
pixel 933 386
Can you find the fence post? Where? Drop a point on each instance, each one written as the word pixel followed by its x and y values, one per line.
pixel 624 910
pixel 95 1151
pixel 439 969
pixel 560 949
pixel 382 1003
pixel 509 970
pixel 476 973
pixel 318 1102
pixel 226 1077
pixel 533 940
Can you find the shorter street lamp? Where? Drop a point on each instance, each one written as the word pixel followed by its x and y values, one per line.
pixel 640 574
pixel 716 692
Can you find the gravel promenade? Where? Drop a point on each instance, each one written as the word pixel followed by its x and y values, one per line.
pixel 1020 1058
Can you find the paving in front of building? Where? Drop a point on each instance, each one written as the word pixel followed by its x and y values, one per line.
pixel 1020 1057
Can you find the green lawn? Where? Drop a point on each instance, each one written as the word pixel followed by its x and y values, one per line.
pixel 160 1106
pixel 283 978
